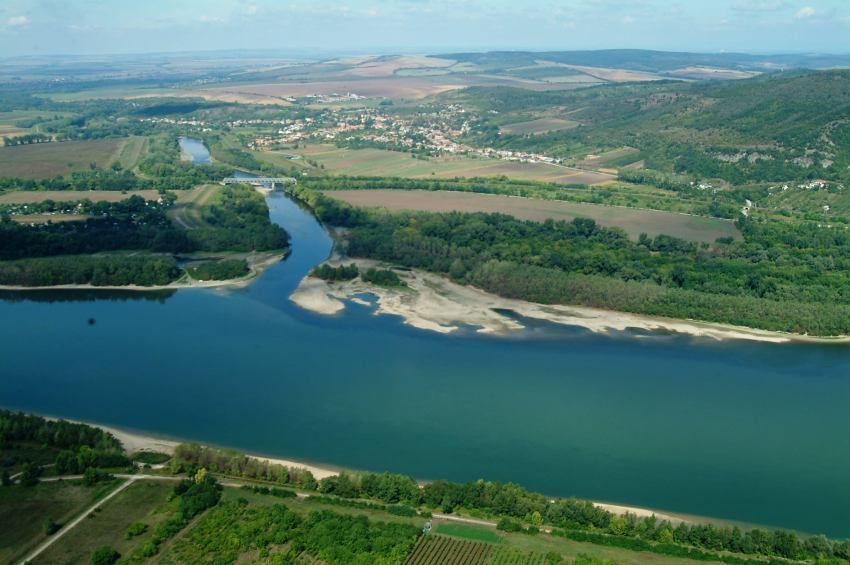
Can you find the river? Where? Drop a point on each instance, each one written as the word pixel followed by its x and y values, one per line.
pixel 744 431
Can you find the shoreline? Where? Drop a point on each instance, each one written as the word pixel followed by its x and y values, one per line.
pixel 257 268
pixel 136 440
pixel 432 302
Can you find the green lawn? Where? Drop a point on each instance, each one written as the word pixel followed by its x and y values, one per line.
pixel 23 511
pixel 143 501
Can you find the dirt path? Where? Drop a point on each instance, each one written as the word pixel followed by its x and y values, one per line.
pixel 472 521
pixel 40 549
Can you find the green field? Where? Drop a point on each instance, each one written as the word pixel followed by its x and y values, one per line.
pixel 432 549
pixel 380 162
pixel 132 152
pixel 23 511
pixel 144 502
pixel 471 533
pixel 58 159
pixel 633 221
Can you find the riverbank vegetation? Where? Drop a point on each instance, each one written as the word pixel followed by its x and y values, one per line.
pixel 575 519
pixel 789 277
pixel 93 251
pixel 374 516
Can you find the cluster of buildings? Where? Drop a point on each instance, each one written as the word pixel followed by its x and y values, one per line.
pixel 436 132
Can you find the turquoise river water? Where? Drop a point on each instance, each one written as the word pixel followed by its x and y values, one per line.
pixel 737 430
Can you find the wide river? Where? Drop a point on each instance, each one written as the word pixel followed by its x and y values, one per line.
pixel 744 431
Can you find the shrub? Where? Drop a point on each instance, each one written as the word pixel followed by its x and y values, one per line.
pixel 104 555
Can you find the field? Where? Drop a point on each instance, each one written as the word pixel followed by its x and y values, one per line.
pixel 33 219
pixel 610 158
pixel 186 212
pixel 379 162
pixel 616 75
pixel 541 125
pixel 434 550
pixel 57 159
pixel 143 501
pixel 401 87
pixel 26 196
pixel 132 152
pixel 632 221
pixel 470 533
pixel 23 511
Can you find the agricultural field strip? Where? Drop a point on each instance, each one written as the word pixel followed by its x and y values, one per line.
pixel 187 211
pixel 633 220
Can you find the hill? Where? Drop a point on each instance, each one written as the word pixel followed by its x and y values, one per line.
pixel 777 127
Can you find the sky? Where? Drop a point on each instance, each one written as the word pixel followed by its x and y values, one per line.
pixel 43 27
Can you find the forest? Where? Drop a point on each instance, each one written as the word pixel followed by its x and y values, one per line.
pixel 782 276
pixel 62 253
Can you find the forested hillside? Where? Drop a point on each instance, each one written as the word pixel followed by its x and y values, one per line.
pixel 777 127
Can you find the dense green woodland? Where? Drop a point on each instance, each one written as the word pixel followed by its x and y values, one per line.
pixel 64 253
pixel 787 277
pixel 26 442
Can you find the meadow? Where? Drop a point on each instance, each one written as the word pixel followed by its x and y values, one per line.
pixel 23 511
pixel 380 162
pixel 58 159
pixel 633 221
pixel 143 502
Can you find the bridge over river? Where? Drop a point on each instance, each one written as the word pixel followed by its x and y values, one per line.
pixel 271 182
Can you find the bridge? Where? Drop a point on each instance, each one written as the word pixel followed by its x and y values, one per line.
pixel 260 181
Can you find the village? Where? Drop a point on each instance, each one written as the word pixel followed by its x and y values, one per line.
pixel 435 133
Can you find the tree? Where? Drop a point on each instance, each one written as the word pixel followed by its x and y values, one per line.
pixel 5 479
pixel 536 519
pixel 104 555
pixel 29 474
pixel 665 535
pixel 91 476
pixel 618 526
pixel 50 527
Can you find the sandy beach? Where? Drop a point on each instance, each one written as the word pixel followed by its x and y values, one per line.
pixel 134 441
pixel 434 303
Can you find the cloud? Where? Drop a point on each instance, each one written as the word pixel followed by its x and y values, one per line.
pixel 805 13
pixel 760 5
pixel 18 21
pixel 628 20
